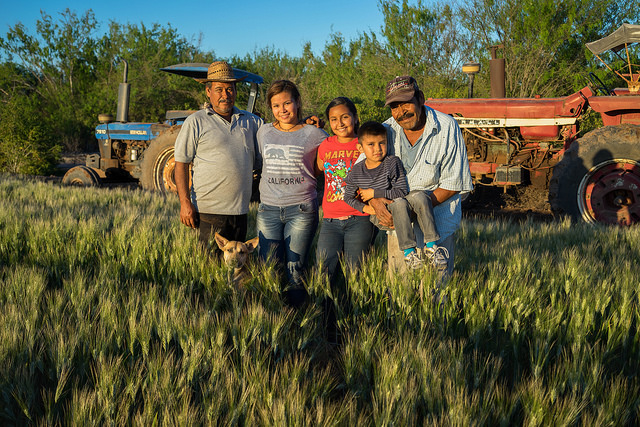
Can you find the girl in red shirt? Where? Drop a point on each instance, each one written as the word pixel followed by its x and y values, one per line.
pixel 344 230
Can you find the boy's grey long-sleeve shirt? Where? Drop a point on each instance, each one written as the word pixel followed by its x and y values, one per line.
pixel 388 180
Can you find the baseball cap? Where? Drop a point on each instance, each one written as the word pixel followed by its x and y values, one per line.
pixel 400 89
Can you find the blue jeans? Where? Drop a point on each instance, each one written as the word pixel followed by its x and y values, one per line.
pixel 415 205
pixel 288 231
pixel 352 237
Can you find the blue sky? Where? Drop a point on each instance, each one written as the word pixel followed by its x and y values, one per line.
pixel 228 28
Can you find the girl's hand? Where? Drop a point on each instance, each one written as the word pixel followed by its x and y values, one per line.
pixel 314 121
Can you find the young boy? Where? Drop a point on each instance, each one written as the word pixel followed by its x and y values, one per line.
pixel 382 176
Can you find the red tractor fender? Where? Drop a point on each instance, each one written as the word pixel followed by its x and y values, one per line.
pixel 616 110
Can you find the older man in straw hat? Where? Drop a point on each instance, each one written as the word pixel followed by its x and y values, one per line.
pixel 220 140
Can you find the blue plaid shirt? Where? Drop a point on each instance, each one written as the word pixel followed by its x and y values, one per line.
pixel 437 160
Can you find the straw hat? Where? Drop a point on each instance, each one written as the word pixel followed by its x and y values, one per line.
pixel 220 71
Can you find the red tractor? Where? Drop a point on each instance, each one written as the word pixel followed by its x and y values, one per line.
pixel 535 142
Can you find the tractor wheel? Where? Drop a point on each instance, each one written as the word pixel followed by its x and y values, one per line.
pixel 158 163
pixel 598 179
pixel 81 176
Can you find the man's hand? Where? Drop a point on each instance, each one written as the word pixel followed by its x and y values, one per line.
pixel 188 214
pixel 440 195
pixel 315 121
pixel 383 214
pixel 368 210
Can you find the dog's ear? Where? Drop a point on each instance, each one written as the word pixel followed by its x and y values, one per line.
pixel 221 241
pixel 252 244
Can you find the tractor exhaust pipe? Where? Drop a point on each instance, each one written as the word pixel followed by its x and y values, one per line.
pixel 470 69
pixel 122 114
pixel 496 69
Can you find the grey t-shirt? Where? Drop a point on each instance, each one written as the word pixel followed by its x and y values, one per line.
pixel 223 156
pixel 287 164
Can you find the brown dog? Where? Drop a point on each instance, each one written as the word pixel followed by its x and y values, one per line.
pixel 236 255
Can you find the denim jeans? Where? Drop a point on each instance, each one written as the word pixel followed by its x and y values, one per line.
pixel 351 237
pixel 415 205
pixel 450 244
pixel 288 231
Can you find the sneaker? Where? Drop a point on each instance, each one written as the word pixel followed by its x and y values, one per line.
pixel 438 256
pixel 413 261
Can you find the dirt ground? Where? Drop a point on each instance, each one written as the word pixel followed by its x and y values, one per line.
pixel 515 203
pixel 69 160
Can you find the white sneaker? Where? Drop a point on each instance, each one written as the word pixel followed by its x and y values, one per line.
pixel 438 256
pixel 413 261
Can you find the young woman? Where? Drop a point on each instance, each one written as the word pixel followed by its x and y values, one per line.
pixel 344 230
pixel 288 211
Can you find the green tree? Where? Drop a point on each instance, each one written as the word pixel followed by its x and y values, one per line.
pixel 26 144
pixel 542 40
pixel 60 60
pixel 428 43
pixel 147 50
pixel 357 69
pixel 73 74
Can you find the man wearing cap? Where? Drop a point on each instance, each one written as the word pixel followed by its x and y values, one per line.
pixel 430 145
pixel 221 142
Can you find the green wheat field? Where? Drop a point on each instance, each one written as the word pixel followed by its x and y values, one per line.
pixel 110 314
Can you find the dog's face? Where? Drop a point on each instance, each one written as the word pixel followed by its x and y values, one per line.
pixel 235 253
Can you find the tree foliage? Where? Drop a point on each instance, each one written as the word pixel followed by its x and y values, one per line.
pixel 26 145
pixel 427 42
pixel 542 41
pixel 356 69
pixel 59 63
pixel 147 50
pixel 72 73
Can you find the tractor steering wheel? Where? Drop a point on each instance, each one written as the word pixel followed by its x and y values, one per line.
pixel 598 85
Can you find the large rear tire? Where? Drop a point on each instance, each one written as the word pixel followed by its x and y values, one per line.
pixel 598 179
pixel 81 176
pixel 158 163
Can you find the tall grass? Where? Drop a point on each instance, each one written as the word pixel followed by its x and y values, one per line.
pixel 109 313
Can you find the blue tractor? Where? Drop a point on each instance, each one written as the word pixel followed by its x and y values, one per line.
pixel 144 152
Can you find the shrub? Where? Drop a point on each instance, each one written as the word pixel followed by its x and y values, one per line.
pixel 26 147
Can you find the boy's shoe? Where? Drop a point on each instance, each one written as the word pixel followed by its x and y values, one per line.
pixel 413 261
pixel 438 256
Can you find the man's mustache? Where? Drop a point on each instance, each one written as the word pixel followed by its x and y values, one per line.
pixel 405 116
